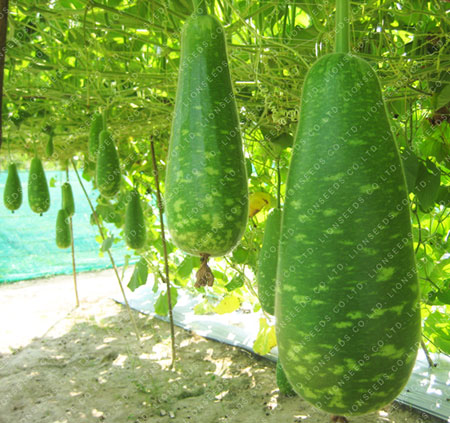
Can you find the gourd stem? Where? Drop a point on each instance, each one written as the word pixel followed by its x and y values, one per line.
pixel 72 245
pixel 166 256
pixel 342 26
pixel 200 7
pixel 278 185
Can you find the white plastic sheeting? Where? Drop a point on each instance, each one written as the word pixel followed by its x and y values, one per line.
pixel 427 390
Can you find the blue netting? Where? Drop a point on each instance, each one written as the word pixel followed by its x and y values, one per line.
pixel 27 240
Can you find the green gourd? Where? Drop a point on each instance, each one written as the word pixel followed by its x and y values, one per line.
pixel 135 231
pixel 206 181
pixel 38 193
pixel 108 173
pixel 63 236
pixel 347 296
pixel 12 195
pixel 49 148
pixel 267 262
pixel 68 202
pixel 283 384
pixel 94 134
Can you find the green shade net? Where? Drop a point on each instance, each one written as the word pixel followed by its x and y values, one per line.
pixel 27 240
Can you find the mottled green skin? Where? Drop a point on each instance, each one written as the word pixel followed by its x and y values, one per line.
pixel 328 326
pixel 206 182
pixel 38 193
pixel 108 174
pixel 68 203
pixel 135 231
pixel 63 237
pixel 12 195
pixel 267 262
pixel 283 384
pixel 94 134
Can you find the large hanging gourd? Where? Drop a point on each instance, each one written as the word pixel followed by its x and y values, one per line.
pixel 12 195
pixel 267 262
pixel 108 173
pixel 206 182
pixel 68 202
pixel 347 296
pixel 38 193
pixel 63 236
pixel 135 231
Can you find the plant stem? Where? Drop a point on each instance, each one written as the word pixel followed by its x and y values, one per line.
pixel 74 270
pixel 166 259
pixel 427 354
pixel 200 7
pixel 278 185
pixel 342 26
pixel 4 10
pixel 108 251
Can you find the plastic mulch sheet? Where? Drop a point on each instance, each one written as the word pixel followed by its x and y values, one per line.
pixel 27 240
pixel 428 388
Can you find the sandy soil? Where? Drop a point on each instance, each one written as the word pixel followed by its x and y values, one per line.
pixel 64 365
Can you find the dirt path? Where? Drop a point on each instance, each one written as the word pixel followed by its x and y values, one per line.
pixel 86 366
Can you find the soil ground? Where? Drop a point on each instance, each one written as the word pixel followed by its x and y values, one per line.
pixel 60 364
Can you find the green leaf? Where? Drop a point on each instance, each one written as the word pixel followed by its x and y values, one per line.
pixel 266 338
pixel 443 98
pixel 139 276
pixel 427 184
pixel 444 296
pixel 185 268
pixel 204 308
pixel 228 304
pixel 161 304
pixel 235 283
pixel 410 166
pixel 107 243
pixel 52 182
pixel 248 165
pixel 437 329
pixel 240 255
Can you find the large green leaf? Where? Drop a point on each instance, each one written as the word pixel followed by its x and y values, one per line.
pixel 162 304
pixel 427 184
pixel 139 276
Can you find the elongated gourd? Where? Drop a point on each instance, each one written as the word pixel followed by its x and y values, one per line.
pixel 135 231
pixel 347 295
pixel 12 195
pixel 63 236
pixel 68 203
pixel 94 134
pixel 108 173
pixel 38 193
pixel 49 148
pixel 267 262
pixel 206 182
pixel 283 384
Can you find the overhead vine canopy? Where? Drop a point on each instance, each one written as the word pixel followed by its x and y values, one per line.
pixel 68 58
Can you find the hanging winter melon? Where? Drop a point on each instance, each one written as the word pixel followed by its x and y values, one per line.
pixel 12 195
pixel 206 182
pixel 135 231
pixel 38 193
pixel 347 296
pixel 94 134
pixel 108 174
pixel 63 235
pixel 68 202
